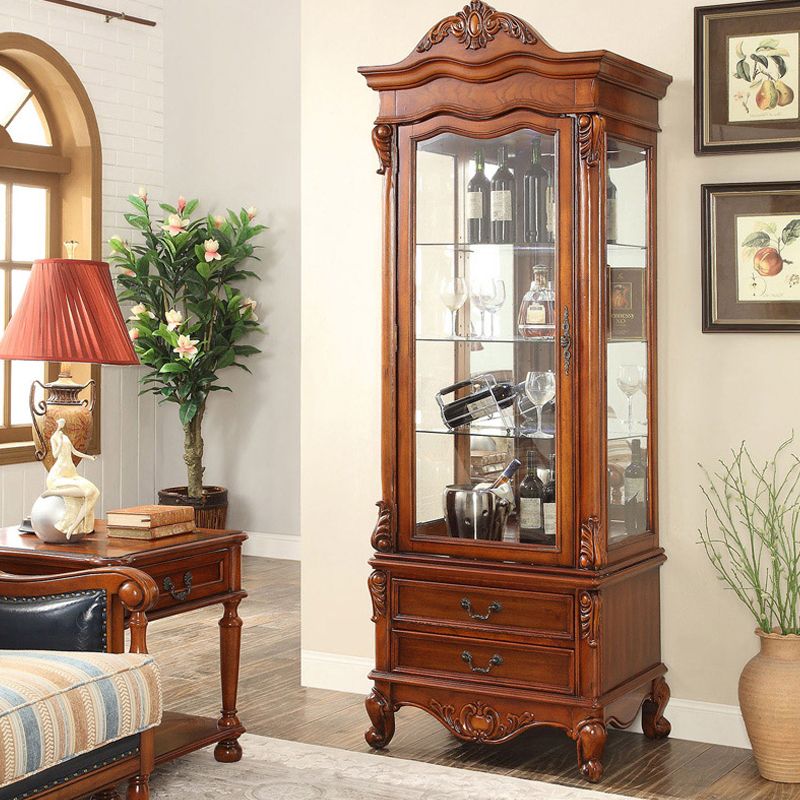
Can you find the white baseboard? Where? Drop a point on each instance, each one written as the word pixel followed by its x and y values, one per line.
pixel 272 545
pixel 694 720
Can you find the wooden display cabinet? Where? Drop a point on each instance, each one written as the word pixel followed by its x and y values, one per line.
pixel 552 618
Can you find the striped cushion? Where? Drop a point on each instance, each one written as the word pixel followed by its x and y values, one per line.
pixel 54 705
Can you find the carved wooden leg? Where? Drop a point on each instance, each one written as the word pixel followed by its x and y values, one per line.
pixel 138 788
pixel 106 794
pixel 591 741
pixel 230 642
pixel 654 724
pixel 382 716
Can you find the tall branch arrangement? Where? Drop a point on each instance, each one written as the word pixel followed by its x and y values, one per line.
pixel 751 533
pixel 189 317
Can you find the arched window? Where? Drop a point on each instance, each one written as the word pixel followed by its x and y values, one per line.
pixel 49 190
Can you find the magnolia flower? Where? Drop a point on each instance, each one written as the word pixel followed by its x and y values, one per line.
pixel 174 318
pixel 251 212
pixel 219 221
pixel 133 333
pixel 140 308
pixel 211 246
pixel 249 304
pixel 181 204
pixel 142 194
pixel 175 224
pixel 187 348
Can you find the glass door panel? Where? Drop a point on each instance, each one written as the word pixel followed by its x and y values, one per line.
pixel 628 423
pixel 485 285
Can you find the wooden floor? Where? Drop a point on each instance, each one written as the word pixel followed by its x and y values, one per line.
pixel 272 703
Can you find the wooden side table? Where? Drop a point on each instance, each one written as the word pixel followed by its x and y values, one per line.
pixel 192 570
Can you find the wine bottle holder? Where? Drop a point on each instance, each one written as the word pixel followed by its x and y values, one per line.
pixel 484 407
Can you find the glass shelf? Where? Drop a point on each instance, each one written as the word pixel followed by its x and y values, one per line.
pixel 486 339
pixel 516 433
pixel 465 247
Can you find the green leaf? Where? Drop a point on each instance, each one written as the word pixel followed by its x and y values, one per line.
pixel 173 367
pixel 245 350
pixel 768 44
pixel 760 59
pixel 227 358
pixel 137 203
pixel 187 412
pixel 204 269
pixel 166 207
pixel 190 206
pixel 791 232
pixel 743 70
pixel 136 221
pixel 781 64
pixel 757 239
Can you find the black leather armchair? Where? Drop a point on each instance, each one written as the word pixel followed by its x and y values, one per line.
pixel 82 611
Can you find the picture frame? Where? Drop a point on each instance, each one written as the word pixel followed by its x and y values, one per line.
pixel 747 77
pixel 751 257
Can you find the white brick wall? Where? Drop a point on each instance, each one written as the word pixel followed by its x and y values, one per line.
pixel 121 66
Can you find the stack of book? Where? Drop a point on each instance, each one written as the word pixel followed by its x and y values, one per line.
pixel 150 522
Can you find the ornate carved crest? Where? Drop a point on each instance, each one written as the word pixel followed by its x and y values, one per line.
pixel 477 722
pixel 566 340
pixel 589 611
pixel 382 139
pixel 590 135
pixel 475 26
pixel 382 536
pixel 377 583
pixel 590 556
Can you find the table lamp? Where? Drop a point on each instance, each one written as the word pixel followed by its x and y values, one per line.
pixel 68 313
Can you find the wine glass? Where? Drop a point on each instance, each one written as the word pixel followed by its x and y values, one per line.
pixel 496 302
pixel 482 295
pixel 643 390
pixel 540 387
pixel 453 291
pixel 629 382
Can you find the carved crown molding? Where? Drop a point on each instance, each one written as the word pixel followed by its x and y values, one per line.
pixel 382 140
pixel 378 583
pixel 477 722
pixel 475 26
pixel 383 534
pixel 589 612
pixel 590 555
pixel 591 129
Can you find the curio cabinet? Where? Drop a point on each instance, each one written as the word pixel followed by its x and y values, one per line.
pixel 516 576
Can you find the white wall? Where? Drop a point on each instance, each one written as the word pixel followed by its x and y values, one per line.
pixel 120 65
pixel 714 390
pixel 232 139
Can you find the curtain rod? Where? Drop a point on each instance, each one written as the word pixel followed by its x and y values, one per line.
pixel 109 15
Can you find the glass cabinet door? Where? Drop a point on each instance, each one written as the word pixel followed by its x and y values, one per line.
pixel 485 255
pixel 627 355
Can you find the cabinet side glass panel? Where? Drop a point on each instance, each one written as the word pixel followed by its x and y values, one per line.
pixel 486 359
pixel 628 424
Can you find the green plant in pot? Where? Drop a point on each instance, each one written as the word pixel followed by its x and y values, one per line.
pixel 751 536
pixel 190 320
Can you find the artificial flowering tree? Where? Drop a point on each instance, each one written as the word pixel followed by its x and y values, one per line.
pixel 190 317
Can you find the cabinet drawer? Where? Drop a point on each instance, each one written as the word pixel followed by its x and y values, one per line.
pixel 549 668
pixel 185 580
pixel 531 613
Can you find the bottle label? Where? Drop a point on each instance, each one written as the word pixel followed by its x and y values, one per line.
pixel 549 519
pixel 482 408
pixel 535 314
pixel 474 205
pixel 634 490
pixel 502 208
pixel 530 513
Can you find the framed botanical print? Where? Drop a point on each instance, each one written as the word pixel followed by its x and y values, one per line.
pixel 747 77
pixel 751 257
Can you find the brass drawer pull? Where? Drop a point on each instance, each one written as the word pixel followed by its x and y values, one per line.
pixel 494 661
pixel 493 608
pixel 179 594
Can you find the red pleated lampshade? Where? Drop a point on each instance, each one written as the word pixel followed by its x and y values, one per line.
pixel 69 312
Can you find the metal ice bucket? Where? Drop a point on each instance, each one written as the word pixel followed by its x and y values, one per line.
pixel 475 513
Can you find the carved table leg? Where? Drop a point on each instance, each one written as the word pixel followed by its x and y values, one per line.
pixel 382 716
pixel 591 741
pixel 106 794
pixel 138 788
pixel 654 724
pixel 230 641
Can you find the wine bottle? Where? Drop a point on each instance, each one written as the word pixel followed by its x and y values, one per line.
pixel 478 405
pixel 507 474
pixel 635 488
pixel 534 198
pixel 611 210
pixel 531 512
pixel 503 201
pixel 537 312
pixel 549 503
pixel 479 216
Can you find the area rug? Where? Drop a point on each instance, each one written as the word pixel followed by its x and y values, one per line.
pixel 274 769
